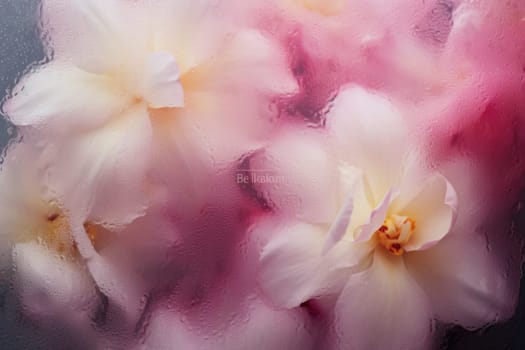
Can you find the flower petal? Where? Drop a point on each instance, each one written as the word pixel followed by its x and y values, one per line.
pixel 365 123
pixel 64 97
pixel 433 210
pixel 354 206
pixel 340 225
pixel 49 285
pixel 465 281
pixel 162 86
pixel 308 188
pixel 105 169
pixel 171 21
pixel 116 280
pixel 88 34
pixel 217 87
pixel 121 286
pixel 182 162
pixel 376 219
pixel 294 270
pixel 21 191
pixel 383 308
pixel 240 55
pixel 289 330
pixel 167 329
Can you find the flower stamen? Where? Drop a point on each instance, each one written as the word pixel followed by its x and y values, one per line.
pixel 324 7
pixel 395 232
pixel 92 232
pixel 56 233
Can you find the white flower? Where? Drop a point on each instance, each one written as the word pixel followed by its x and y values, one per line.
pixel 392 256
pixel 124 74
pixel 60 270
pixel 49 277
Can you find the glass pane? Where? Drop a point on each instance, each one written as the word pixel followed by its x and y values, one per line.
pixel 262 175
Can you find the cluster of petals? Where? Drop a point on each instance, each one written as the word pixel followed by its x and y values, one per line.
pixel 225 174
pixel 382 241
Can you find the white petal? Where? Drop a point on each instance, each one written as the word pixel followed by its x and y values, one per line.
pixel 173 20
pixel 293 269
pixel 162 86
pixel 433 210
pixel 383 308
pixel 105 169
pixel 116 279
pixel 91 33
pixel 339 227
pixel 376 219
pixel 466 283
pixel 353 207
pixel 63 96
pixel 49 286
pixel 21 191
pixel 291 266
pixel 371 134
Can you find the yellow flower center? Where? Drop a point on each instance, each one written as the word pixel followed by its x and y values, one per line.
pixel 97 234
pixel 395 233
pixel 56 234
pixel 54 231
pixel 324 7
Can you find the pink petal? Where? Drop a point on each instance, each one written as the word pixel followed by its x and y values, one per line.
pixel 383 308
pixel 182 162
pixel 289 330
pixel 166 329
pixel 250 56
pixel 309 188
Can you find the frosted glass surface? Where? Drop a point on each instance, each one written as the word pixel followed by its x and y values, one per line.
pixel 262 175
